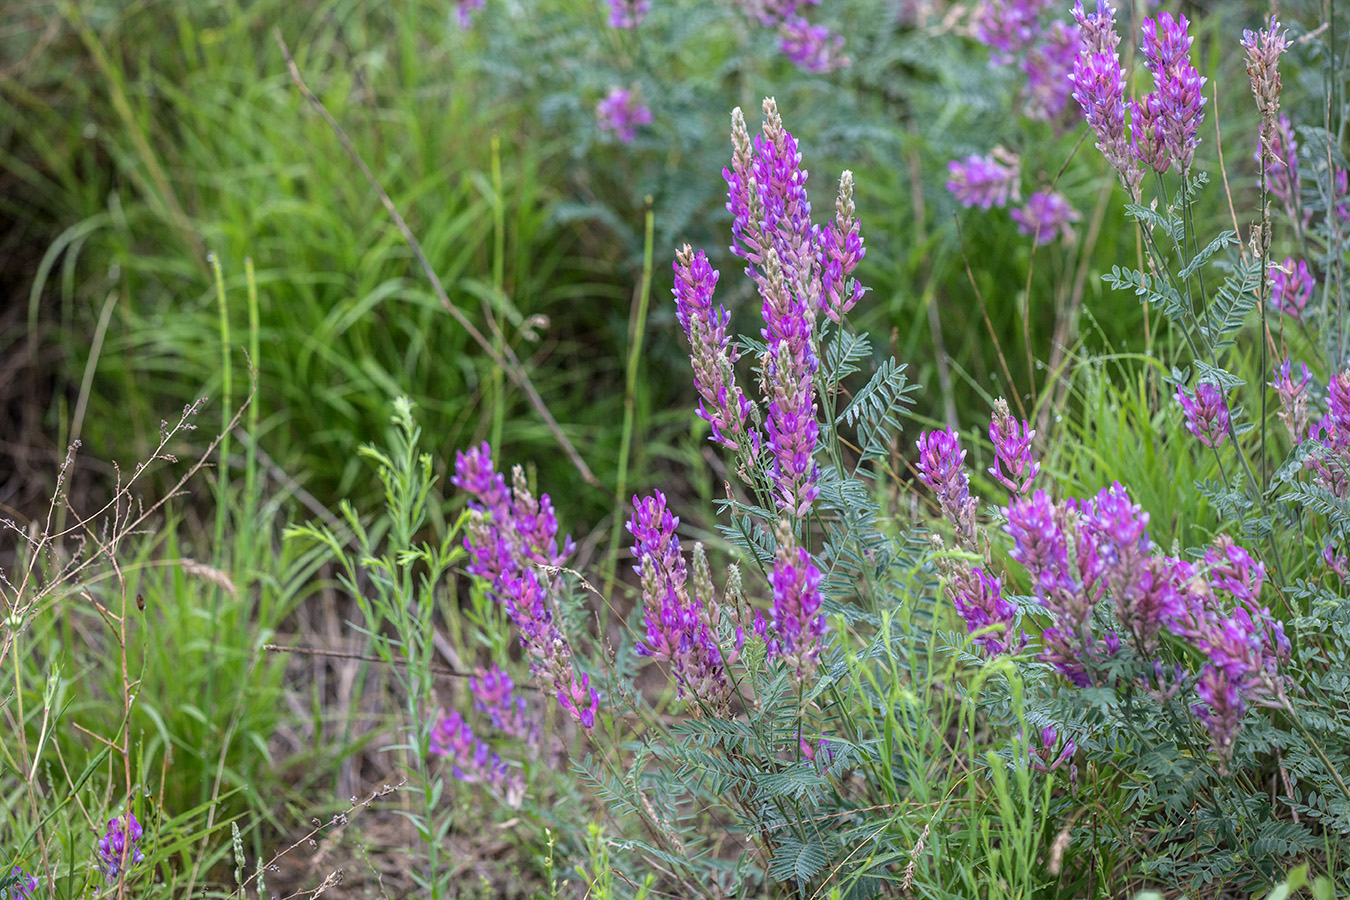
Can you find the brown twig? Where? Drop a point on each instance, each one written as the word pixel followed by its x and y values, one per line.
pixel 506 360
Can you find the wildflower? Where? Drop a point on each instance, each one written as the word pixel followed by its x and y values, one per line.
pixel 548 649
pixel 1178 84
pixel 941 469
pixel 118 846
pixel 1047 66
pixel 789 365
pixel 797 623
pixel 1008 27
pixel 494 694
pixel 1336 561
pixel 1221 710
pixel 471 759
pixel 1232 569
pixel 1206 413
pixel 620 112
pixel 1150 134
pixel 1045 758
pixel 978 598
pixel 811 47
pixel 984 181
pixel 1099 88
pixel 1291 287
pixel 1264 49
pixel 1046 215
pixel 580 700
pixel 841 249
pixel 25 886
pixel 721 403
pixel 1293 399
pixel 679 615
pixel 464 10
pixel 1014 464
pixel 627 13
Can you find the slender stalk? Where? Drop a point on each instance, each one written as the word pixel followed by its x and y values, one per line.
pixel 639 328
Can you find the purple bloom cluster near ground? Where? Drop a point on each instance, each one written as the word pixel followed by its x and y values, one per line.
pixel 620 113
pixel 119 847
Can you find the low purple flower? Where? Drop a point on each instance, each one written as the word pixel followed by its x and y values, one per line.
pixel 721 402
pixel 1046 215
pixel 1014 465
pixel 464 10
pixel 1293 394
pixel 494 693
pixel 580 700
pixel 1206 413
pixel 941 467
pixel 1291 287
pixel 24 888
pixel 627 13
pixel 471 759
pixel 1045 758
pixel 812 48
pixel 984 181
pixel 119 847
pixel 620 113
pixel 797 624
pixel 978 599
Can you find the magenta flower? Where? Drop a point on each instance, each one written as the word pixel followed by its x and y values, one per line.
pixel 811 47
pixel 1046 215
pixel 1008 27
pixel 118 846
pixel 1099 88
pixel 1206 413
pixel 1045 758
pixel 25 888
pixel 627 13
pixel 494 694
pixel 797 624
pixel 978 599
pixel 1220 710
pixel 941 467
pixel 721 403
pixel 1336 561
pixel 1014 465
pixel 621 113
pixel 1150 141
pixel 983 181
pixel 841 249
pixel 1291 287
pixel 1048 66
pixel 679 615
pixel 1282 166
pixel 1178 85
pixel 471 759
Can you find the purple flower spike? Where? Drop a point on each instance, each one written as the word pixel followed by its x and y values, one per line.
pixel 1293 396
pixel 941 468
pixel 1150 133
pixel 1014 464
pixel 978 599
pixel 721 403
pixel 789 366
pixel 1232 569
pixel 1178 85
pixel 494 694
pixel 1336 561
pixel 1291 287
pixel 1206 413
pixel 1220 711
pixel 118 846
pixel 841 251
pixel 627 13
pixel 581 701
pixel 1008 27
pixel 1099 88
pixel 811 47
pixel 1046 215
pixel 1282 166
pixel 620 113
pixel 984 181
pixel 1047 67
pixel 26 888
pixel 471 760
pixel 798 625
